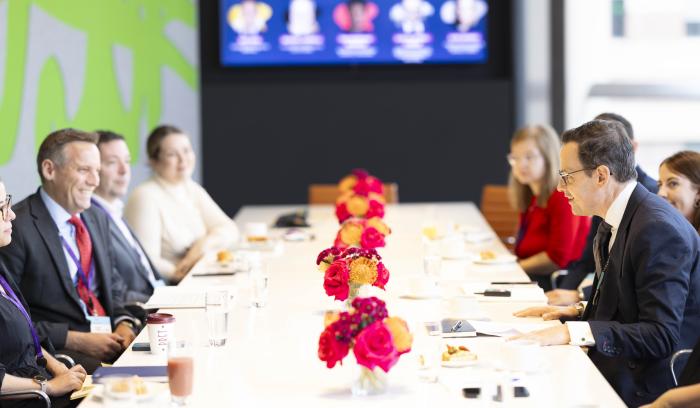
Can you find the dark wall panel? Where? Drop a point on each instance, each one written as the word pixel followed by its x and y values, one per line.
pixel 440 132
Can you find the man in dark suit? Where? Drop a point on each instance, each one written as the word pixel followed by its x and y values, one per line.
pixel 131 261
pixel 644 305
pixel 60 255
pixel 567 293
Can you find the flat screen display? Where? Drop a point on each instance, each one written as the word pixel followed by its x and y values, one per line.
pixel 341 32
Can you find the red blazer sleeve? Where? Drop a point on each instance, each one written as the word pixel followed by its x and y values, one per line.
pixel 564 228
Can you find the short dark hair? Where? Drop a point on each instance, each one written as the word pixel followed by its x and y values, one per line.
pixel 52 147
pixel 156 138
pixel 604 143
pixel 618 118
pixel 106 136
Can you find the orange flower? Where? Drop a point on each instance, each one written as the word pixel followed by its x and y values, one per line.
pixel 363 271
pixel 351 232
pixel 379 225
pixel 400 335
pixel 330 317
pixel 347 183
pixel 377 197
pixel 344 196
pixel 358 205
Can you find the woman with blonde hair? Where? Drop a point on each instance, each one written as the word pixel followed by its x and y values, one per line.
pixel 174 217
pixel 549 235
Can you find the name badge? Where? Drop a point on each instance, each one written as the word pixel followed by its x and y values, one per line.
pixel 100 324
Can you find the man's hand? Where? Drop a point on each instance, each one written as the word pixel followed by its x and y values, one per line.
pixel 548 312
pixel 102 346
pixel 562 297
pixel 126 332
pixel 68 381
pixel 550 336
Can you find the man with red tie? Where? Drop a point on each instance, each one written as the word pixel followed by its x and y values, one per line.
pixel 60 255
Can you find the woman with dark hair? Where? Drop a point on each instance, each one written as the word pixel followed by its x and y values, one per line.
pixel 549 235
pixel 679 183
pixel 24 364
pixel 173 216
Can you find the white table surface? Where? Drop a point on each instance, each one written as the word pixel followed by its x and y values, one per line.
pixel 271 353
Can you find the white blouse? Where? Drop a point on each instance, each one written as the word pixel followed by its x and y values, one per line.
pixel 169 218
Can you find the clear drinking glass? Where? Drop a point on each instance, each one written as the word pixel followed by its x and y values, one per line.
pixel 432 266
pixel 259 290
pixel 180 371
pixel 428 349
pixel 217 316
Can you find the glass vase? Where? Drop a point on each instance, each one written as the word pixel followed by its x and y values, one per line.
pixel 370 382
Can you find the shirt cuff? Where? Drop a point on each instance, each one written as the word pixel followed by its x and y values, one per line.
pixel 580 334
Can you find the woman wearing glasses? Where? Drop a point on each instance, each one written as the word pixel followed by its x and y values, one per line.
pixel 24 364
pixel 174 217
pixel 549 235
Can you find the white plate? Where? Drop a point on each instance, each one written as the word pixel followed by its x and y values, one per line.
pixel 420 296
pixel 499 259
pixel 152 390
pixel 458 256
pixel 459 363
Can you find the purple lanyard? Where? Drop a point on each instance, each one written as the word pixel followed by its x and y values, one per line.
pixel 12 297
pixel 75 259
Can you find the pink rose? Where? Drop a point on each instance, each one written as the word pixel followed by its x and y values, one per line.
pixel 371 238
pixel 335 280
pixel 341 211
pixel 376 209
pixel 330 349
pixel 374 347
pixel 374 185
pixel 382 276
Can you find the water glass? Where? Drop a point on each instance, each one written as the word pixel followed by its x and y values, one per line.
pixel 432 266
pixel 180 371
pixel 428 349
pixel 217 316
pixel 259 290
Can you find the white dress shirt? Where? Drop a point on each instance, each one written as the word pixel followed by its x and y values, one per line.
pixel 580 332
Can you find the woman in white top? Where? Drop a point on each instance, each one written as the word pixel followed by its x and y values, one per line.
pixel 173 216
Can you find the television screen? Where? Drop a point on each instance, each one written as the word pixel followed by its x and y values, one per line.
pixel 323 32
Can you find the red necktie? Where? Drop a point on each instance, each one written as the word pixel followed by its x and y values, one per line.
pixel 82 238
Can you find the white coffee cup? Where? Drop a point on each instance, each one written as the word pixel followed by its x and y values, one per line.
pixel 452 246
pixel 161 331
pixel 522 355
pixel 423 287
pixel 256 230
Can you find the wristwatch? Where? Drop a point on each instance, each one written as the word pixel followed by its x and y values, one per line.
pixel 580 307
pixel 42 381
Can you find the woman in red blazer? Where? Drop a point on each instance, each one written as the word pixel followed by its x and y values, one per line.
pixel 549 235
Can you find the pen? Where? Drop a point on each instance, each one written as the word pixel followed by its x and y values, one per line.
pixel 456 326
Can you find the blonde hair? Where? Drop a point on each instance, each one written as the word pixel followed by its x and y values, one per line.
pixel 548 144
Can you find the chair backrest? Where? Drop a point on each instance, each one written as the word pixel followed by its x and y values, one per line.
pixel 678 361
pixel 498 212
pixel 328 193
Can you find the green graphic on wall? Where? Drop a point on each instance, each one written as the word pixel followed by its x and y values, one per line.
pixel 124 65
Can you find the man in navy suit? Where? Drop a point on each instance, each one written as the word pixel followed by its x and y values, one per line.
pixel 644 305
pixel 131 261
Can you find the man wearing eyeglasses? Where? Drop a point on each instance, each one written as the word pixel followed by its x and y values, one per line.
pixel 60 255
pixel 644 305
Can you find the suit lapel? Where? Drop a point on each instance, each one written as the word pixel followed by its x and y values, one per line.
pixel 49 234
pixel 156 275
pixel 119 239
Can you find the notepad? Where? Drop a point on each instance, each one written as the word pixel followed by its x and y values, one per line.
pixel 173 297
pixel 457 328
pixel 150 373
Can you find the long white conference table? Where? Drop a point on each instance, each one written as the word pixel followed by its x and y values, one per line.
pixel 270 356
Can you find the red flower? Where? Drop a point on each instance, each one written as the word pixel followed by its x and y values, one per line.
pixel 376 209
pixel 382 276
pixel 330 349
pixel 341 211
pixel 371 238
pixel 335 280
pixel 374 347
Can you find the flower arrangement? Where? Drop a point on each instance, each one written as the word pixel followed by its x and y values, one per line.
pixel 345 270
pixel 361 195
pixel 361 182
pixel 363 233
pixel 376 339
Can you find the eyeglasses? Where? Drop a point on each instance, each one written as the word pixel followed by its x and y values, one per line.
pixel 5 208
pixel 513 160
pixel 567 178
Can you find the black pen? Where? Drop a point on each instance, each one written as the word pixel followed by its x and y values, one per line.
pixel 456 326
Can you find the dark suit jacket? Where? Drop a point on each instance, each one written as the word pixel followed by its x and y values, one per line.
pixel 578 270
pixel 38 265
pixel 129 266
pixel 649 303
